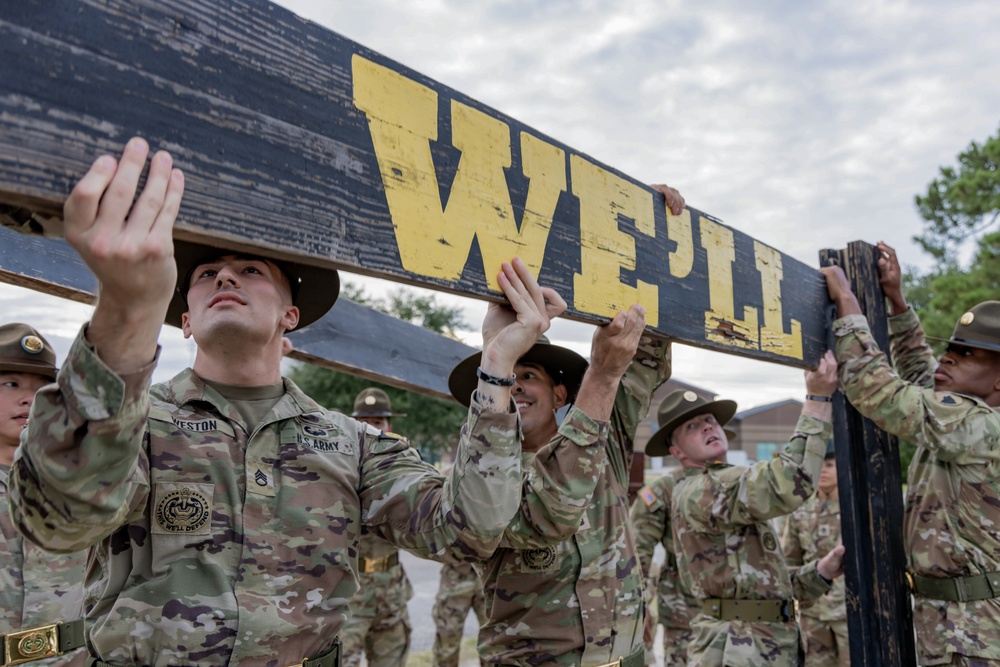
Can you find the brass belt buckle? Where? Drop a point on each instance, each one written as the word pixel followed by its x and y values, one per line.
pixel 616 663
pixel 31 644
pixel 911 582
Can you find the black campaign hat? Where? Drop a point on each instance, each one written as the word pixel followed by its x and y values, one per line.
pixel 24 350
pixel 978 327
pixel 373 402
pixel 680 406
pixel 314 289
pixel 565 366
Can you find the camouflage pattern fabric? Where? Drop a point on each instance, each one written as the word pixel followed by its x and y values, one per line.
pixel 379 626
pixel 810 533
pixel 217 547
pixel 953 500
pixel 565 588
pixel 727 548
pixel 37 587
pixel 675 606
pixel 459 591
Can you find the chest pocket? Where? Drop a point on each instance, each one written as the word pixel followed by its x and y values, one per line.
pixel 325 438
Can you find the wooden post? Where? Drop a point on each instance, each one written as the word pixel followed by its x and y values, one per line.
pixel 879 617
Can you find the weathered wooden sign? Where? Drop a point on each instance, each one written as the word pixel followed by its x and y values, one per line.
pixel 299 142
pixel 350 338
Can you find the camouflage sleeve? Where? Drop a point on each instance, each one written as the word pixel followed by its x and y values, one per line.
pixel 766 489
pixel 81 470
pixel 560 483
pixel 791 545
pixel 950 425
pixel 807 584
pixel 649 369
pixel 649 524
pixel 458 517
pixel 912 356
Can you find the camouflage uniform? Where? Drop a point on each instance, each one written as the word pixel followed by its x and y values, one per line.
pixel 730 551
pixel 379 625
pixel 953 500
pixel 459 591
pixel 565 587
pixel 651 524
pixel 213 546
pixel 37 587
pixel 811 532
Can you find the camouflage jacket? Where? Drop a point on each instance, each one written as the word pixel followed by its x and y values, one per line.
pixel 37 587
pixel 727 547
pixel 392 587
pixel 810 533
pixel 651 524
pixel 217 546
pixel 565 587
pixel 953 499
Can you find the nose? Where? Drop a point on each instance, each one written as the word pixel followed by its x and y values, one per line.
pixel 226 276
pixel 947 359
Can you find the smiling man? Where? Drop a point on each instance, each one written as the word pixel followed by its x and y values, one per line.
pixel 947 408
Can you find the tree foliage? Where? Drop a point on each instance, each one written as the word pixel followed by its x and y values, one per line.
pixel 964 201
pixel 431 424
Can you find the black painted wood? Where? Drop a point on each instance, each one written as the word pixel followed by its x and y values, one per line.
pixel 879 615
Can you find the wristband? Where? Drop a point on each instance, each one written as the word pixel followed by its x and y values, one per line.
pixel 819 399
pixel 493 380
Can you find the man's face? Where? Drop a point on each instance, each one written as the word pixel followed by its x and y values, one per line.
pixel 968 370
pixel 828 475
pixel 698 441
pixel 381 423
pixel 17 391
pixel 236 295
pixel 537 397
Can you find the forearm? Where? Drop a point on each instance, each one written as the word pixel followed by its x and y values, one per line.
pixel 807 583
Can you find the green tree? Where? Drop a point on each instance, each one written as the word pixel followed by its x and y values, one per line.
pixel 963 202
pixel 431 424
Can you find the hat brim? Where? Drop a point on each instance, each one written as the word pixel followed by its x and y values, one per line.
pixel 21 366
pixel 314 289
pixel 659 442
pixel 565 366
pixel 965 342
pixel 377 415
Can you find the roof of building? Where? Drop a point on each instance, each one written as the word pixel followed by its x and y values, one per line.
pixel 765 408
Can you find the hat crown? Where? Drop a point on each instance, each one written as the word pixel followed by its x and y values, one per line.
pixel 24 350
pixel 980 325
pixel 372 402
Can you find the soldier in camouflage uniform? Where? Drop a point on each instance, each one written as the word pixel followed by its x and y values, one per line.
pixel 459 591
pixel 728 554
pixel 564 588
pixel 810 532
pixel 225 506
pixel 947 408
pixel 37 588
pixel 379 625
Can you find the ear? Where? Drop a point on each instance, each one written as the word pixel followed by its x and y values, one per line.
pixel 290 319
pixel 677 453
pixel 186 325
pixel 560 393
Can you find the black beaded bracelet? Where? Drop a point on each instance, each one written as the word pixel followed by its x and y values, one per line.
pixel 492 379
pixel 820 399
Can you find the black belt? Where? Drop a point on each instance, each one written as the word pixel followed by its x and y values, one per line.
pixel 45 641
pixel 765 611
pixel 956 589
pixel 329 659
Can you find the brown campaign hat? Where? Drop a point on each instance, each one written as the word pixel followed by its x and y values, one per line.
pixel 314 289
pixel 373 402
pixel 564 365
pixel 678 407
pixel 24 350
pixel 979 327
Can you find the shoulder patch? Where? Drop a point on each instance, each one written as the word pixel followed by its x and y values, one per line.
pixel 948 399
pixel 389 435
pixel 647 496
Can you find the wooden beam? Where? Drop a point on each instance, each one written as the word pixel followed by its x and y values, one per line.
pixel 300 143
pixel 879 614
pixel 351 338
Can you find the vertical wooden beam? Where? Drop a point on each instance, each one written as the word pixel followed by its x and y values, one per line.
pixel 879 615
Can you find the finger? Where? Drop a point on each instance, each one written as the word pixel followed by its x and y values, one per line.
pixel 117 200
pixel 80 209
pixel 513 288
pixel 555 305
pixel 163 226
pixel 151 200
pixel 532 289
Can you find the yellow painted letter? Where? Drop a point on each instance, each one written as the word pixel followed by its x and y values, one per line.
pixel 721 324
pixel 772 335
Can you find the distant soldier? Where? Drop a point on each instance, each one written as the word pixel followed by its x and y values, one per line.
pixel 459 591
pixel 728 553
pixel 812 531
pixel 947 407
pixel 380 622
pixel 38 589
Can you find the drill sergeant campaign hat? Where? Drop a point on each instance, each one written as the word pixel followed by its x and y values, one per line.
pixel 979 327
pixel 565 366
pixel 314 289
pixel 678 407
pixel 373 402
pixel 24 350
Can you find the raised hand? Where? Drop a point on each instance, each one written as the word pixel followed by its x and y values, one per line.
pixel 615 343
pixel 891 279
pixel 672 197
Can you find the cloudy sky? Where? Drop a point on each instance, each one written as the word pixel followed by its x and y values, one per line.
pixel 804 124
